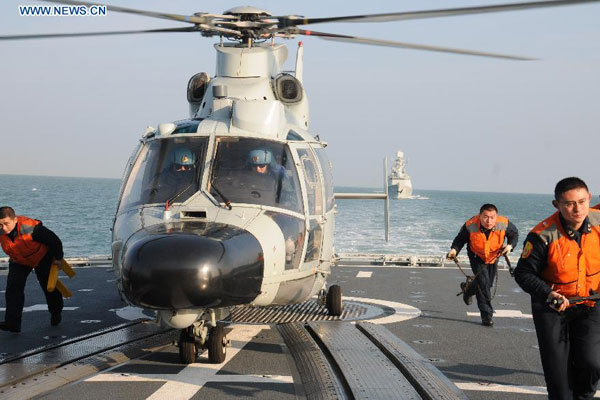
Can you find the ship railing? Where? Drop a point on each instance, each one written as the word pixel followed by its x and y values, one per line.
pixel 341 259
pixel 410 260
pixel 94 260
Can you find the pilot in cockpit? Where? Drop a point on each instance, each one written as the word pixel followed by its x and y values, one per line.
pixel 182 159
pixel 177 178
pixel 262 162
pixel 267 170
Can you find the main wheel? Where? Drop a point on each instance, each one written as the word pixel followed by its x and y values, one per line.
pixel 216 347
pixel 334 300
pixel 187 347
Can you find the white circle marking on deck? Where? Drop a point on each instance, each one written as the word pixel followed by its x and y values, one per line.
pixel 402 312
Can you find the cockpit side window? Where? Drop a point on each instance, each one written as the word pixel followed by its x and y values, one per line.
pixel 165 170
pixel 256 171
pixel 313 182
pixel 327 177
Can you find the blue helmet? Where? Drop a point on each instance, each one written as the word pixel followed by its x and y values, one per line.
pixel 183 156
pixel 260 157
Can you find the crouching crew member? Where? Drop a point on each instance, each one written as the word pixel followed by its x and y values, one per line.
pixel 29 246
pixel 561 260
pixel 485 234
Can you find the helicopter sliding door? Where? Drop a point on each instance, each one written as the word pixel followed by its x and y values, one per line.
pixel 329 212
pixel 315 205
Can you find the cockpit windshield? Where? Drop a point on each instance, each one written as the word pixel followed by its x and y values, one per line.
pixel 256 171
pixel 166 169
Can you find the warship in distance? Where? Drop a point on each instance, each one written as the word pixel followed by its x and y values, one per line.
pixel 400 185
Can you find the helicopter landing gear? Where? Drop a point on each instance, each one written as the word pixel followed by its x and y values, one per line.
pixel 217 345
pixel 187 346
pixel 333 301
pixel 204 334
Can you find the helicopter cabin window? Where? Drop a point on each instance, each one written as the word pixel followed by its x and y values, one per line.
pixel 293 230
pixel 256 171
pixel 327 177
pixel 313 245
pixel 293 136
pixel 166 170
pixel 312 181
pixel 187 126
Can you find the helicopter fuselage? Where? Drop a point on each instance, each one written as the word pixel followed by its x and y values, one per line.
pixel 247 217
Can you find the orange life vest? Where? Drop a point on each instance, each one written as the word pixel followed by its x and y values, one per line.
pixel 486 248
pixel 571 270
pixel 24 250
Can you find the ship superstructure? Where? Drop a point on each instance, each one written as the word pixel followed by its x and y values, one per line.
pixel 400 185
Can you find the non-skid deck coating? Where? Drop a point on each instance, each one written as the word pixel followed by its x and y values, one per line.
pixel 486 363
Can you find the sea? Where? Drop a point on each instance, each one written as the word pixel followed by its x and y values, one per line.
pixel 81 211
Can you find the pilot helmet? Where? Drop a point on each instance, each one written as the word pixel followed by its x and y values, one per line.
pixel 183 158
pixel 260 157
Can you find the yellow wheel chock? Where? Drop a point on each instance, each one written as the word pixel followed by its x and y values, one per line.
pixel 55 283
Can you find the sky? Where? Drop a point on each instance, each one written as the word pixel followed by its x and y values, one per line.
pixel 77 107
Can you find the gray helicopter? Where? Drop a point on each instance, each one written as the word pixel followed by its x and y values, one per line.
pixel 235 205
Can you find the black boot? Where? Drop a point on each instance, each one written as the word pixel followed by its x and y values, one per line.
pixel 10 327
pixel 487 321
pixel 55 319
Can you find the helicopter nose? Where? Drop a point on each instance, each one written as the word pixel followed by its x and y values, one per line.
pixel 187 265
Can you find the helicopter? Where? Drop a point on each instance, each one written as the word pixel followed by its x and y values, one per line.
pixel 235 205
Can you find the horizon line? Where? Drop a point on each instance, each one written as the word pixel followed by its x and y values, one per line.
pixel 335 186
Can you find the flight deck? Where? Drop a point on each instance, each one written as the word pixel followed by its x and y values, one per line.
pixel 403 334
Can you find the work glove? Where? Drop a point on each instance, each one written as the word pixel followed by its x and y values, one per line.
pixel 451 254
pixel 506 249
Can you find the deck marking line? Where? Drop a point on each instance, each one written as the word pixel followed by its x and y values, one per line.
pixel 130 313
pixel 40 307
pixel 364 274
pixel 186 383
pixel 129 377
pixel 494 387
pixel 503 314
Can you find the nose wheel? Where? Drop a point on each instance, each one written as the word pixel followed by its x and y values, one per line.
pixel 333 301
pixel 187 346
pixel 213 339
pixel 217 345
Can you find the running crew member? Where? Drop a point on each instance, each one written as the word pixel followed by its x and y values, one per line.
pixel 561 259
pixel 485 234
pixel 30 246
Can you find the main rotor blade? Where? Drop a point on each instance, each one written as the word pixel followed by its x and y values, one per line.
pixel 64 35
pixel 391 43
pixel 295 21
pixel 193 19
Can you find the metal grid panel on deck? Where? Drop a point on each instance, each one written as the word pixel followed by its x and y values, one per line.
pixel 18 368
pixel 368 372
pixel 308 311
pixel 428 380
pixel 318 378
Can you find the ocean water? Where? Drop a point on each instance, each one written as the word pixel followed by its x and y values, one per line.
pixel 428 222
pixel 81 212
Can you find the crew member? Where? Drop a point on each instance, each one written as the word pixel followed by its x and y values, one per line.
pixel 176 181
pixel 30 246
pixel 261 161
pixel 269 175
pixel 485 234
pixel 561 260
